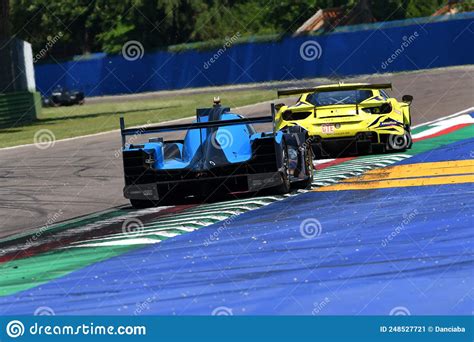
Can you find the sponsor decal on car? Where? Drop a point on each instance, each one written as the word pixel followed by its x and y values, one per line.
pixel 390 123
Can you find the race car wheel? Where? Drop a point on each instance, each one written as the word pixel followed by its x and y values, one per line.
pixel 285 186
pixel 399 142
pixel 142 204
pixel 306 184
pixel 408 131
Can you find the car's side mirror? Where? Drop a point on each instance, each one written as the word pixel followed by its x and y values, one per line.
pixel 407 98
pixel 279 105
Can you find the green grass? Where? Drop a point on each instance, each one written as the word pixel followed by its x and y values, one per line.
pixel 67 122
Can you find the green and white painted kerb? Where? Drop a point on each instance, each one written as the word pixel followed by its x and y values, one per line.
pixel 207 214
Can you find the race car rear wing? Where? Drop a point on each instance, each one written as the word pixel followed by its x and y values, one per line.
pixel 333 87
pixel 148 129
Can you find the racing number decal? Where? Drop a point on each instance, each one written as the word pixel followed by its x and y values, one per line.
pixel 327 128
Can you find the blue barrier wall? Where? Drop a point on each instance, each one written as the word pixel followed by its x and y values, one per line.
pixel 339 54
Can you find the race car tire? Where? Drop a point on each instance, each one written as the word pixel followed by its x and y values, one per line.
pixel 408 131
pixel 142 204
pixel 306 184
pixel 285 186
pixel 399 143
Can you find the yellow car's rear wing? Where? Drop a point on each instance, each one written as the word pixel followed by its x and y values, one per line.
pixel 332 87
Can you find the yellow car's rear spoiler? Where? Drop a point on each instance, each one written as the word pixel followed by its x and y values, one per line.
pixel 332 87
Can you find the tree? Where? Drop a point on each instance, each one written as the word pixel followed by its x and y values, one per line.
pixel 105 25
pixel 416 8
pixel 4 19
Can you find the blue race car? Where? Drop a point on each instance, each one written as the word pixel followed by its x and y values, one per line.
pixel 221 154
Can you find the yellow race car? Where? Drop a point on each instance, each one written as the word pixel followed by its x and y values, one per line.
pixel 348 119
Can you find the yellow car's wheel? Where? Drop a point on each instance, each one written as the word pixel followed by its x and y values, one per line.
pixel 399 142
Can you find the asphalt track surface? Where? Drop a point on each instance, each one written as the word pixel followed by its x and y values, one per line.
pixel 82 176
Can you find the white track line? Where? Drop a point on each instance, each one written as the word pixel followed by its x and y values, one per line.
pixel 445 117
pixel 436 127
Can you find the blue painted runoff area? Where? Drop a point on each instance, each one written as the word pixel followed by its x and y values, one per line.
pixel 385 49
pixel 460 150
pixel 365 252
